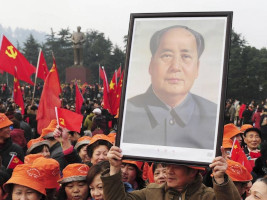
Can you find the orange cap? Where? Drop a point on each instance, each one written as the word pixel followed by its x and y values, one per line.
pixel 230 130
pixel 32 144
pixel 51 171
pixel 82 140
pixel 74 172
pixel 237 172
pixel 4 121
pixel 100 137
pixel 29 176
pixel 112 137
pixel 31 157
pixel 227 143
pixel 138 164
pixel 244 127
pixel 48 131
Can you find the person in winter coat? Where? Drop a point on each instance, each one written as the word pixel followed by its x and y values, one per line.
pixel 182 183
pixel 7 147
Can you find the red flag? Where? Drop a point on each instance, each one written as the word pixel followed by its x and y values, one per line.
pixel 68 119
pixel 105 102
pixel 238 155
pixel 118 95
pixel 112 93
pixel 11 57
pixel 18 98
pixel 118 74
pixel 78 99
pixel 1 71
pixel 14 161
pixel 49 99
pixel 42 70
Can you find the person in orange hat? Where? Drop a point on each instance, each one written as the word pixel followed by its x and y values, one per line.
pixel 55 146
pixel 239 175
pixel 38 146
pixel 232 132
pixel 26 182
pixel 81 147
pixel 51 175
pixel 98 148
pixel 227 145
pixel 73 183
pixel 132 173
pixel 7 147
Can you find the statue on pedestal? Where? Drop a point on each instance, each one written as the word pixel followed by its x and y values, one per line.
pixel 78 39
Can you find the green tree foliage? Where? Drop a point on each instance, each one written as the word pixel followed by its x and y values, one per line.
pixel 247 71
pixel 31 50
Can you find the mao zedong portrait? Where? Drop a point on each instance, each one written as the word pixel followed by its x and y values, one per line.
pixel 168 114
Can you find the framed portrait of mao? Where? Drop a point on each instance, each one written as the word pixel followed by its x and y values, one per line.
pixel 174 87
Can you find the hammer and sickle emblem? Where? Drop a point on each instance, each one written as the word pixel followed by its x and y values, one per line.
pixel 11 53
pixel 62 121
pixel 16 160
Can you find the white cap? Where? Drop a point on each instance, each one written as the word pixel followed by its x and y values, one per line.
pixel 97 111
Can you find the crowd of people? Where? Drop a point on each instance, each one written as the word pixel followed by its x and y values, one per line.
pixel 67 165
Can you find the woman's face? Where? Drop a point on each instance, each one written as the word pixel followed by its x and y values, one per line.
pixel 128 173
pixel 160 174
pixel 77 190
pixel 45 152
pixel 96 188
pixel 22 192
pixel 99 154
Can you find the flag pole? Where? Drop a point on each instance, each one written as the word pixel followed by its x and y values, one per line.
pixel 34 88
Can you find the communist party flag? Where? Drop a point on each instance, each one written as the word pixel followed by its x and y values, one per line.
pixel 42 69
pixel 238 155
pixel 105 102
pixel 10 58
pixel 18 98
pixel 68 119
pixel 14 161
pixel 49 99
pixel 78 99
pixel 112 93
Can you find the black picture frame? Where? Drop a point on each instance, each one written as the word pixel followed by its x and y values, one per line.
pixel 140 141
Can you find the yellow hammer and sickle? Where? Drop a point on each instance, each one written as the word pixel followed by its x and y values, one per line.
pixel 11 53
pixel 16 160
pixel 62 121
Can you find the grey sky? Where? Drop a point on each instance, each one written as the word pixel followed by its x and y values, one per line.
pixel 112 16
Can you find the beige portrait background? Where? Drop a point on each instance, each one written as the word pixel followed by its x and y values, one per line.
pixel 208 83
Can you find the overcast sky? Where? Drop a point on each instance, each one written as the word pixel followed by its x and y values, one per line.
pixel 112 16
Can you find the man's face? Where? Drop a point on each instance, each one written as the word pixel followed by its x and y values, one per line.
pixel 174 67
pixel 179 176
pixel 252 140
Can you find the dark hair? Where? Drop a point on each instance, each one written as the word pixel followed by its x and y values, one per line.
pixel 155 39
pixel 156 165
pixel 97 169
pixel 16 123
pixel 91 148
pixel 81 146
pixel 260 163
pixel 10 191
pixel 139 179
pixel 252 129
pixel 39 149
pixel 62 193
pixel 18 116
